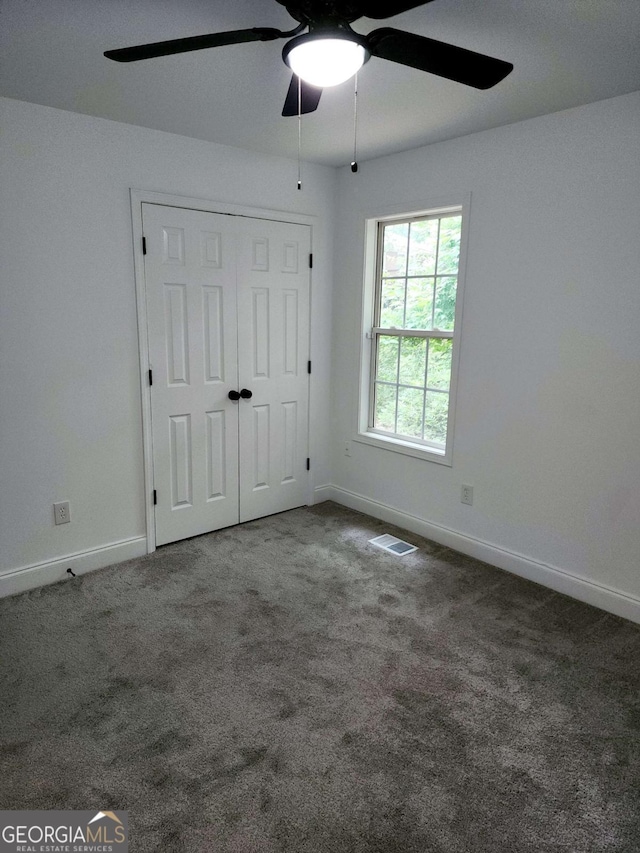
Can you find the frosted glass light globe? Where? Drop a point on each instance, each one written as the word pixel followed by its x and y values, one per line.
pixel 326 62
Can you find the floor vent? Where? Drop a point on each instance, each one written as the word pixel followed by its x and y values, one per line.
pixel 393 544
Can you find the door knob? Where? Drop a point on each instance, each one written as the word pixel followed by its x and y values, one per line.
pixel 234 395
pixel 246 394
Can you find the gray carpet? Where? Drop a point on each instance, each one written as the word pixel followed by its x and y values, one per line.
pixel 284 686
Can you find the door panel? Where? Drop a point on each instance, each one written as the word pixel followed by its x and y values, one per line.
pixel 177 336
pixel 190 275
pixel 273 328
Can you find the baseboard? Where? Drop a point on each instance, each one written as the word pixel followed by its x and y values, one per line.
pixel 323 493
pixel 41 574
pixel 604 597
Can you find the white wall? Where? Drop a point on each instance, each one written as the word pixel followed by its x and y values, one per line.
pixel 71 410
pixel 548 415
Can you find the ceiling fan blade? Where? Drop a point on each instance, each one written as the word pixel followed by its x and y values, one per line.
pixel 436 57
pixel 309 98
pixel 378 9
pixel 165 48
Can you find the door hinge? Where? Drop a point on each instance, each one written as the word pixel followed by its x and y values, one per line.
pixel 308 367
pixel 155 497
pixel 308 464
pixel 144 245
pixel 310 260
pixel 150 376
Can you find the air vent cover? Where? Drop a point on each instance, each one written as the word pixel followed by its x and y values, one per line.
pixel 394 545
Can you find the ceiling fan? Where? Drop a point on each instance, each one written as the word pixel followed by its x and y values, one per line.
pixel 330 52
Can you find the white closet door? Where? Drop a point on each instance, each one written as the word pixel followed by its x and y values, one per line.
pixel 190 272
pixel 273 335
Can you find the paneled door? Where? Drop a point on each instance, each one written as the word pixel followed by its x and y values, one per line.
pixel 227 302
pixel 273 341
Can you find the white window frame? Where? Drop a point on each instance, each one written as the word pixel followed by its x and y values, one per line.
pixel 365 433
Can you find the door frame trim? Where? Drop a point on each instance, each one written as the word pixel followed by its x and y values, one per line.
pixel 137 199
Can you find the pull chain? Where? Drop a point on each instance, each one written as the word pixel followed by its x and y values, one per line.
pixel 354 162
pixel 299 133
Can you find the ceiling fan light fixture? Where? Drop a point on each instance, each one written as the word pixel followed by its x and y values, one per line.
pixel 324 61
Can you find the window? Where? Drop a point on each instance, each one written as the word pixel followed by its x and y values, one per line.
pixel 413 313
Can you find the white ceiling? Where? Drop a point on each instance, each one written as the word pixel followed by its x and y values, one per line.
pixel 565 52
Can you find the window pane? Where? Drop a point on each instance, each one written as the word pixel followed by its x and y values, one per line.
pixel 392 303
pixel 419 303
pixel 422 247
pixel 394 252
pixel 387 369
pixel 449 245
pixel 435 416
pixel 410 404
pixel 413 352
pixel 385 409
pixel 439 369
pixel 445 307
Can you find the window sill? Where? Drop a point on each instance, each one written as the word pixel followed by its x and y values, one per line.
pixel 407 448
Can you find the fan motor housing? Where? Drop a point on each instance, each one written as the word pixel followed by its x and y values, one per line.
pixel 329 11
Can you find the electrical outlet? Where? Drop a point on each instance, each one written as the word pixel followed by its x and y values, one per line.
pixel 61 512
pixel 466 495
pixel 347 448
